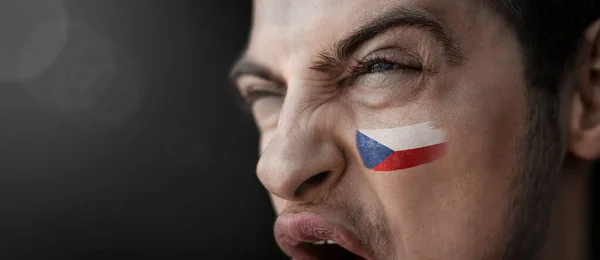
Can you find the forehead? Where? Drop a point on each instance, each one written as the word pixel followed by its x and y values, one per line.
pixel 290 12
pixel 283 28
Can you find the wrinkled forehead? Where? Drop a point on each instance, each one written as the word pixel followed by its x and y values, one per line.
pixel 281 27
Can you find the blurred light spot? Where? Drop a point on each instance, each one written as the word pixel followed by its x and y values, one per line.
pixel 94 83
pixel 32 33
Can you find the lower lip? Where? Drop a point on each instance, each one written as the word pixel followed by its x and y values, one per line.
pixel 309 228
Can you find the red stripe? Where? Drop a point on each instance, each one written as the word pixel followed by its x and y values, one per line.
pixel 411 158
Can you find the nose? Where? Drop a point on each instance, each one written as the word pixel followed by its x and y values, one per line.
pixel 301 164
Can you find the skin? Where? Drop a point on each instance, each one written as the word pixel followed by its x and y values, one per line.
pixel 463 206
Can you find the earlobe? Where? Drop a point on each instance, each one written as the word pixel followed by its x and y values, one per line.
pixel 585 105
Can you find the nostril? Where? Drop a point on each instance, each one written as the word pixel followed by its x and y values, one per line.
pixel 317 179
pixel 312 183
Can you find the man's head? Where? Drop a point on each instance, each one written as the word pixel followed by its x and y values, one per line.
pixel 422 129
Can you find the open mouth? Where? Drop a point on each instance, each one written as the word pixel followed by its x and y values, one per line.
pixel 326 250
pixel 309 236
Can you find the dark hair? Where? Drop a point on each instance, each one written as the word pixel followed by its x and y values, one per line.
pixel 549 32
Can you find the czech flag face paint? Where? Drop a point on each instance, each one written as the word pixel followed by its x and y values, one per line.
pixel 402 147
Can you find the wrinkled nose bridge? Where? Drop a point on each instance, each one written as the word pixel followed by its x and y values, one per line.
pixel 300 115
pixel 297 110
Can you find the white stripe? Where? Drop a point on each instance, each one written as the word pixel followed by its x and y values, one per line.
pixel 407 137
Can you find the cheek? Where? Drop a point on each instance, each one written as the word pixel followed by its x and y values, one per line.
pixel 459 203
pixel 393 149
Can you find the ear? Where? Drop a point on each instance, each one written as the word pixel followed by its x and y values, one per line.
pixel 585 110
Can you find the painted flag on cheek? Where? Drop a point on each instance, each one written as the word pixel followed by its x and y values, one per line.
pixel 402 147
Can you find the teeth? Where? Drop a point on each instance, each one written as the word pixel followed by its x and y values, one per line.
pixel 323 242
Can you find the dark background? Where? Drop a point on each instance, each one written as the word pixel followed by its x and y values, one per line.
pixel 129 145
pixel 125 143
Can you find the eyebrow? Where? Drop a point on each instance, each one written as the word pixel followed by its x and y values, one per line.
pixel 247 66
pixel 330 60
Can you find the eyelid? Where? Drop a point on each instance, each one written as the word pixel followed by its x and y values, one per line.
pixel 247 83
pixel 403 54
pixel 254 92
pixel 398 55
pixel 266 88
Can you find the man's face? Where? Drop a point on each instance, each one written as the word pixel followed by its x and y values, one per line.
pixel 409 75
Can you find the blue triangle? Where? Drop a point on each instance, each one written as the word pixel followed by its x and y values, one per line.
pixel 371 151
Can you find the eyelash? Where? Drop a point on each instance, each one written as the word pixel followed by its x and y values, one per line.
pixel 254 94
pixel 365 66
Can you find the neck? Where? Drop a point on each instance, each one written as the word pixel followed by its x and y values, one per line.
pixel 568 237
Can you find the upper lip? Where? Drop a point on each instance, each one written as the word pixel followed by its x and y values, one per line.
pixel 292 231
